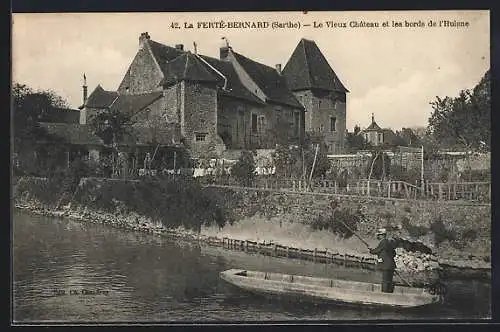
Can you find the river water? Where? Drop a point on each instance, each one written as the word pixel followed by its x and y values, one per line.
pixel 66 271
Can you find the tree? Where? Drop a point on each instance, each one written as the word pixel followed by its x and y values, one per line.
pixel 244 169
pixel 28 107
pixel 464 121
pixel 355 141
pixel 379 166
pixel 112 126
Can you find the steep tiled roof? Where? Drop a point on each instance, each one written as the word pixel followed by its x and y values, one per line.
pixel 234 87
pixel 269 81
pixel 307 68
pixel 60 115
pixel 373 127
pixel 100 98
pixel 187 67
pixel 163 54
pixel 72 133
pixel 131 104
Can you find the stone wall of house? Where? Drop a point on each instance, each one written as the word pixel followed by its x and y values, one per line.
pixel 236 123
pixel 320 108
pixel 373 137
pixel 143 75
pixel 199 117
pixel 87 113
pixel 172 103
pixel 233 121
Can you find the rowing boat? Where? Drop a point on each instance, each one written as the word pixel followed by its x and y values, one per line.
pixel 324 289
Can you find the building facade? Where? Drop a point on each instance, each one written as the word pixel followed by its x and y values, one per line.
pixel 318 88
pixel 230 102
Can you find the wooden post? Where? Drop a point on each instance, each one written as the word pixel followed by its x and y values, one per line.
pixel 440 189
pixel 335 186
pixel 389 189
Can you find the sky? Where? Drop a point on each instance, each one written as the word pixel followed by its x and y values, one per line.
pixel 393 72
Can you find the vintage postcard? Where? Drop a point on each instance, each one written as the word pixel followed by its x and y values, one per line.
pixel 251 167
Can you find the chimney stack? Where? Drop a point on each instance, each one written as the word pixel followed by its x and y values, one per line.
pixel 142 39
pixel 224 49
pixel 179 47
pixel 84 89
pixel 278 68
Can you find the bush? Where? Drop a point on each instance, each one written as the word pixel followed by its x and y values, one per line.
pixel 244 169
pixel 414 231
pixel 337 222
pixel 174 202
pixel 441 234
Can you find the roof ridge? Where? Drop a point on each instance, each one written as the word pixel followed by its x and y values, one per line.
pixel 307 62
pixel 259 63
pixel 184 73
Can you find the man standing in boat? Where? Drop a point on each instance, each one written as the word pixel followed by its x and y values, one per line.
pixel 385 252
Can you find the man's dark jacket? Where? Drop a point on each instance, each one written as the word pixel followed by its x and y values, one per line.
pixel 386 251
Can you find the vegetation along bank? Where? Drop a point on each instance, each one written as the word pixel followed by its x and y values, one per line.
pixel 459 235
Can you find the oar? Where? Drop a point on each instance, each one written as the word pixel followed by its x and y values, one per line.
pixel 368 246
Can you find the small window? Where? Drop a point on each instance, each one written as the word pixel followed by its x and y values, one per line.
pixel 333 124
pixel 254 123
pixel 197 88
pixel 296 120
pixel 321 127
pixel 148 114
pixel 261 124
pixel 200 137
pixel 380 137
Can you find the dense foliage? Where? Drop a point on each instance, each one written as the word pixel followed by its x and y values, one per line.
pixel 28 108
pixel 297 161
pixel 341 221
pixel 175 202
pixel 379 166
pixel 356 142
pixel 244 169
pixel 464 121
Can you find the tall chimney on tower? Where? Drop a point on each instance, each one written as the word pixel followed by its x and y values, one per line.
pixel 278 68
pixel 224 49
pixel 142 39
pixel 84 89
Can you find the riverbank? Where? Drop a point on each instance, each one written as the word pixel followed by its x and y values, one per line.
pixel 414 274
pixel 279 219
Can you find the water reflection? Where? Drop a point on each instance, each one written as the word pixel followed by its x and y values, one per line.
pixel 149 278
